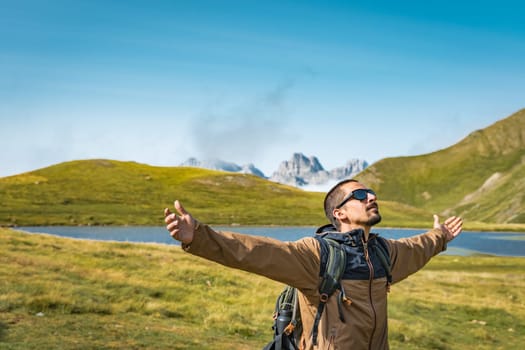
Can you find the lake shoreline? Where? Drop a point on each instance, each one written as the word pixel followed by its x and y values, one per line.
pixel 519 229
pixel 468 243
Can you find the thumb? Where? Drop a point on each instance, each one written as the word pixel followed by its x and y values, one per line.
pixel 180 208
pixel 436 221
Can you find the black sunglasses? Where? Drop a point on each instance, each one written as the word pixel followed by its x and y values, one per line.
pixel 359 194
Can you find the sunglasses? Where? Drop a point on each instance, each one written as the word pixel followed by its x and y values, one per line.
pixel 359 194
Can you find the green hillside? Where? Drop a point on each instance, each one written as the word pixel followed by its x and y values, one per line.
pixel 108 192
pixel 126 193
pixel 481 178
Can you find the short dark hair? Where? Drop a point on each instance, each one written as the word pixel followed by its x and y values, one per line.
pixel 332 199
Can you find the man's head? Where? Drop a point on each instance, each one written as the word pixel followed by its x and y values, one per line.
pixel 349 204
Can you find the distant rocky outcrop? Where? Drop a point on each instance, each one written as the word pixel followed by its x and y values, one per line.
pixel 349 170
pixel 300 171
pixel 251 169
pixel 308 173
pixel 217 164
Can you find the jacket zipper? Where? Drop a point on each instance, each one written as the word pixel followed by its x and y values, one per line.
pixel 331 343
pixel 371 278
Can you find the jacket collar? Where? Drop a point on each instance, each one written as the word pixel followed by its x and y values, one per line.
pixel 351 237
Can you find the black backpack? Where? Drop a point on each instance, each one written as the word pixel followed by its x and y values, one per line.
pixel 287 327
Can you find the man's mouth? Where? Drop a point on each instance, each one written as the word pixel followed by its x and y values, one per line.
pixel 373 206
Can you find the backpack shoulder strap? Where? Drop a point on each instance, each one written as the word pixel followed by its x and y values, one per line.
pixel 384 256
pixel 330 278
pixel 334 269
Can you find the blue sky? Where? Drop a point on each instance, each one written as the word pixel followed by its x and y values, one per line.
pixel 158 82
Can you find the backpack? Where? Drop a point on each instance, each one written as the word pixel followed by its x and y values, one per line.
pixel 287 327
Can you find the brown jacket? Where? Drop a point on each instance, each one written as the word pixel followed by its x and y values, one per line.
pixel 298 264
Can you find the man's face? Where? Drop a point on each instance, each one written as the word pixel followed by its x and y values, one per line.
pixel 359 211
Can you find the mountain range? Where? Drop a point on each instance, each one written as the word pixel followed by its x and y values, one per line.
pixel 299 171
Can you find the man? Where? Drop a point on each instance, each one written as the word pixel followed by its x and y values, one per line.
pixel 352 209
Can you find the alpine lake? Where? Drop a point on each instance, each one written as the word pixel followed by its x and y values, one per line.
pixel 468 243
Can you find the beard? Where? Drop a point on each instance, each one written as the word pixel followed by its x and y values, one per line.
pixel 374 219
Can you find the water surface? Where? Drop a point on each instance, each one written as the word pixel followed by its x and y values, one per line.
pixel 469 242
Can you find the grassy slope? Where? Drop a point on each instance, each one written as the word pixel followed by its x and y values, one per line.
pixel 95 192
pixel 108 192
pixel 440 181
pixel 58 293
pixel 111 192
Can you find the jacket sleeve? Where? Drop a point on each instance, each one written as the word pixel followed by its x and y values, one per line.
pixel 409 255
pixel 293 263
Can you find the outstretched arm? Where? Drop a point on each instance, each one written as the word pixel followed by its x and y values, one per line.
pixel 182 226
pixel 410 254
pixel 293 263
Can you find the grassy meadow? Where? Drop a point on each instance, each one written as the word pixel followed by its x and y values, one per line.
pixel 59 293
pixel 108 192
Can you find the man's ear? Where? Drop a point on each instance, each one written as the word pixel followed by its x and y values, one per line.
pixel 339 214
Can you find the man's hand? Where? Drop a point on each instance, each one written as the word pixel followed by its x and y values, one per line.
pixel 452 226
pixel 180 226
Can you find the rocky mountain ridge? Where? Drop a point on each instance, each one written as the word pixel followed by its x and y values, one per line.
pixel 218 164
pixel 300 171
